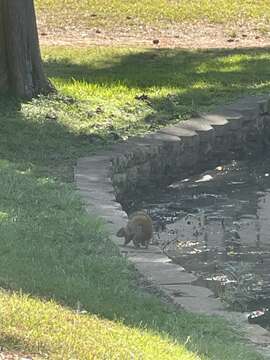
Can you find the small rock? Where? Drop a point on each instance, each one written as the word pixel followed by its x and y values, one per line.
pixel 230 40
pixel 110 127
pixel 156 41
pixel 98 31
pixel 52 117
pixel 43 33
pixel 93 15
pixel 114 136
pixel 142 97
pixel 205 178
pixel 260 317
pixel 128 17
pixel 257 37
pixel 219 168
pixel 244 35
pixel 99 110
pixel 90 114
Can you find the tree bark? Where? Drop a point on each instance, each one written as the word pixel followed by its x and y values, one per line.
pixel 21 71
pixel 3 64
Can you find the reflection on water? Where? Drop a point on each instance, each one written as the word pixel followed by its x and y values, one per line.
pixel 218 225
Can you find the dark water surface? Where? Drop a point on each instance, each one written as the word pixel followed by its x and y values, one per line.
pixel 218 225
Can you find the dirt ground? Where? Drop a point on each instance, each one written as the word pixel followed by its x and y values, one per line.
pixel 12 355
pixel 192 36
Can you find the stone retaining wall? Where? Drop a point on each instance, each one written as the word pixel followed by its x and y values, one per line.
pixel 177 151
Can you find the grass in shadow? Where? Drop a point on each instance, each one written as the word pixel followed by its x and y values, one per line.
pixel 51 248
pixel 174 83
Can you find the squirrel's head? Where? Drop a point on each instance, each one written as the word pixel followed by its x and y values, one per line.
pixel 121 232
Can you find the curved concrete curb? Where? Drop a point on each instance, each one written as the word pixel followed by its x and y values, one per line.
pixel 157 159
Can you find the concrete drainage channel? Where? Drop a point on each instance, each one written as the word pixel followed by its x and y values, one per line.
pixel 109 178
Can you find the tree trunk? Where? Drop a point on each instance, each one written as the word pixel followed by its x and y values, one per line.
pixel 21 71
pixel 3 64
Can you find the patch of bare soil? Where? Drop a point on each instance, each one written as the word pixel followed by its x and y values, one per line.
pixel 192 36
pixel 11 355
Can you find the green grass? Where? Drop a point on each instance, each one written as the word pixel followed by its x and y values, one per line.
pixel 97 102
pixel 63 334
pixel 150 12
pixel 106 81
pixel 51 249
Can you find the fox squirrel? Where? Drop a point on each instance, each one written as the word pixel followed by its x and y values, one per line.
pixel 139 229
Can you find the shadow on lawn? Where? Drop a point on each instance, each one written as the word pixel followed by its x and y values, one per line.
pixel 46 146
pixel 196 79
pixel 202 77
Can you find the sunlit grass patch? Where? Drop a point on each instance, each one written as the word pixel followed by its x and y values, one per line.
pixel 108 83
pixel 151 12
pixel 56 332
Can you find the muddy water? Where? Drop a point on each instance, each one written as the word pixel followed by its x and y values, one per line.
pixel 218 226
